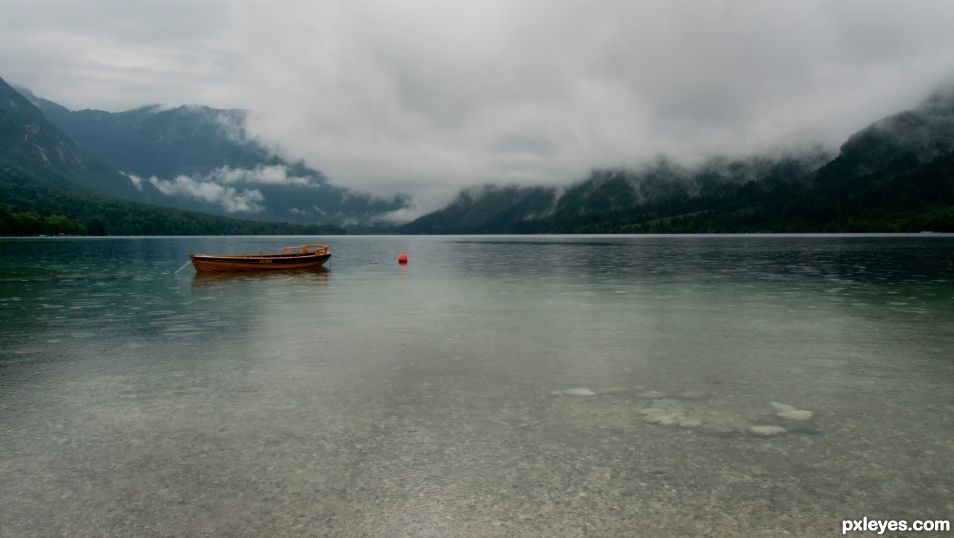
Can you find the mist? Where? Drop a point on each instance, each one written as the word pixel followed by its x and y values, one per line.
pixel 427 97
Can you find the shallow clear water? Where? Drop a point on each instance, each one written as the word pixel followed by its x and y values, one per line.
pixel 494 386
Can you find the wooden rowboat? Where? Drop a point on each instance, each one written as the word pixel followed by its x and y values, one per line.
pixel 308 256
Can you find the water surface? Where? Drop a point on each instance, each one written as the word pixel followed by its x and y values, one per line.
pixel 550 385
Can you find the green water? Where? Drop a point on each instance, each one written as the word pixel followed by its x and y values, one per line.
pixel 509 386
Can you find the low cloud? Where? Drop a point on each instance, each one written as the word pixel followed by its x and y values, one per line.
pixel 262 175
pixel 428 97
pixel 136 180
pixel 217 187
pixel 229 198
pixel 398 216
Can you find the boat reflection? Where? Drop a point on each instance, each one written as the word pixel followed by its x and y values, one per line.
pixel 205 279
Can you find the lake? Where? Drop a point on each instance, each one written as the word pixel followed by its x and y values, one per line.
pixel 494 386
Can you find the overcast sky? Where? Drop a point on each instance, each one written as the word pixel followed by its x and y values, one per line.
pixel 426 96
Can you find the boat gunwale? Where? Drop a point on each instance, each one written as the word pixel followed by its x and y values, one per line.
pixel 295 255
pixel 296 252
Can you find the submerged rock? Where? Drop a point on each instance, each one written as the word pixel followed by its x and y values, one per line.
pixel 666 413
pixel 689 422
pixel 789 412
pixel 767 431
pixel 693 394
pixel 580 391
pixel 615 390
pixel 795 414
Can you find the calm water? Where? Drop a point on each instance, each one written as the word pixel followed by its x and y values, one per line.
pixel 495 386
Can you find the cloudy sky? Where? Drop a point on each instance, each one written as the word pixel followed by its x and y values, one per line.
pixel 427 96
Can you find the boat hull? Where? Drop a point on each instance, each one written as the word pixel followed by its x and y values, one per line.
pixel 279 262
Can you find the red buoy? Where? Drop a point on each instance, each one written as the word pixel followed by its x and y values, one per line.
pixel 402 259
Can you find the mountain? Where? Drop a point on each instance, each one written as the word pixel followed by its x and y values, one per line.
pixel 202 158
pixel 608 196
pixel 49 185
pixel 486 210
pixel 895 175
pixel 896 143
pixel 28 138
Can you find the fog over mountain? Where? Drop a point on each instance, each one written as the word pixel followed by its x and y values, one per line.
pixel 428 97
pixel 895 175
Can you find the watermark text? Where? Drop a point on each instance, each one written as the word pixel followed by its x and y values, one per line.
pixel 881 526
